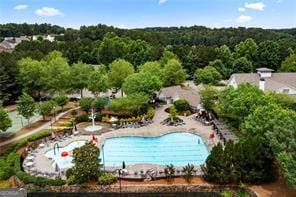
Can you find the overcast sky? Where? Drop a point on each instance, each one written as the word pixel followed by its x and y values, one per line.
pixel 143 13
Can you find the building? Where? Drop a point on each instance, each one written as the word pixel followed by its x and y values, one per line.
pixel 173 93
pixel 50 38
pixel 266 80
pixel 9 43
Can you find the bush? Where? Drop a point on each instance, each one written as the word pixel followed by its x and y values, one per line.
pixel 107 179
pixel 98 117
pixel 69 173
pixel 99 104
pixel 82 118
pixel 150 114
pixel 6 165
pixel 182 105
pixel 86 103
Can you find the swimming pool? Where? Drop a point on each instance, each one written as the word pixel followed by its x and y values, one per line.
pixel 178 148
pixel 64 162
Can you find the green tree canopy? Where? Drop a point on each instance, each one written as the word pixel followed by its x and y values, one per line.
pixel 242 65
pixel 289 65
pixel 135 104
pixel 98 81
pixel 224 54
pixel 173 73
pixel 142 83
pixel 220 67
pixel 79 76
pixel 209 95
pixel 61 100
pixel 119 71
pixel 86 163
pixel 86 103
pixel 152 68
pixel 268 55
pixel 207 75
pixel 5 121
pixel 247 49
pixel 26 106
pixel 45 108
pixel 166 56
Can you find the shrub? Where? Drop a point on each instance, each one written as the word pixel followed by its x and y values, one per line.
pixel 82 118
pixel 150 114
pixel 69 173
pixel 6 166
pixel 86 103
pixel 98 117
pixel 169 172
pixel 99 104
pixel 107 179
pixel 182 105
pixel 188 172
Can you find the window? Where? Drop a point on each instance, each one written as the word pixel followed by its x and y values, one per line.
pixel 286 91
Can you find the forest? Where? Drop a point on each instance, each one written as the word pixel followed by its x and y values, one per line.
pixel 228 50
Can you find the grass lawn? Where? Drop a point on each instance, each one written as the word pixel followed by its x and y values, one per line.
pixel 4 184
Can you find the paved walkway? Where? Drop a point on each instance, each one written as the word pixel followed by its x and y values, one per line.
pixel 42 127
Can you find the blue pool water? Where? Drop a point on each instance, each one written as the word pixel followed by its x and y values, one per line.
pixel 177 148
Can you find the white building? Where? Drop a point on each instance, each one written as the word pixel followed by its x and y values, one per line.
pixel 50 38
pixel 266 80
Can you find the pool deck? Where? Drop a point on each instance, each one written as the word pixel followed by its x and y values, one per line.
pixel 43 165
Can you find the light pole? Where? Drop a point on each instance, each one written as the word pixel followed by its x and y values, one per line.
pixel 120 172
pixel 103 157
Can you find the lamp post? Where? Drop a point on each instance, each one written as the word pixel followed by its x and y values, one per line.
pixel 103 157
pixel 120 172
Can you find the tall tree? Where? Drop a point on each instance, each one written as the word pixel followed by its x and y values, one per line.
pixel 26 106
pixel 242 65
pixel 119 71
pixel 247 49
pixel 143 83
pixel 152 68
pixel 173 73
pixel 289 65
pixel 5 121
pixel 269 55
pixel 79 76
pixel 207 75
pixel 98 81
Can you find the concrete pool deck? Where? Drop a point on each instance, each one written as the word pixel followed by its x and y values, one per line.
pixel 43 165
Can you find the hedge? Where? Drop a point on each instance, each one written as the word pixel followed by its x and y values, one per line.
pixel 23 142
pixel 28 179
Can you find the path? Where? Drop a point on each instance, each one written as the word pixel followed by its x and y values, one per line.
pixel 42 127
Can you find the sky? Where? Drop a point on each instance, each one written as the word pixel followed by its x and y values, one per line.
pixel 152 13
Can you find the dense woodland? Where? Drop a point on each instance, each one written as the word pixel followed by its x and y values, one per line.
pixel 228 50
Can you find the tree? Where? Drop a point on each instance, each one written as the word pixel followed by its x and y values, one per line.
pixel 26 106
pixel 61 101
pixel 207 75
pixel 173 112
pixel 268 55
pixel 247 49
pixel 86 103
pixel 289 65
pixel 86 163
pixel 224 54
pixel 111 48
pixel 45 108
pixel 169 171
pixel 57 77
pixel 142 83
pixel 10 87
pixel 136 104
pixel 242 65
pixel 220 67
pixel 287 163
pixel 152 68
pixel 98 81
pixel 32 76
pixel 79 76
pixel 209 96
pixel 182 105
pixel 5 121
pixel 119 71
pixel 99 104
pixel 188 171
pixel 173 73
pixel 236 104
pixel 166 56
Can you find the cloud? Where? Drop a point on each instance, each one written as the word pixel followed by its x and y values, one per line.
pixel 243 19
pixel 241 9
pixel 255 6
pixel 162 1
pixel 47 11
pixel 20 7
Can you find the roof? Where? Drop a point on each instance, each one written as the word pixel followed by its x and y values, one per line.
pixel 264 69
pixel 273 83
pixel 187 93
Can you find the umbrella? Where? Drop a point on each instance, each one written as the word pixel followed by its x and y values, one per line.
pixel 212 135
pixel 64 154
